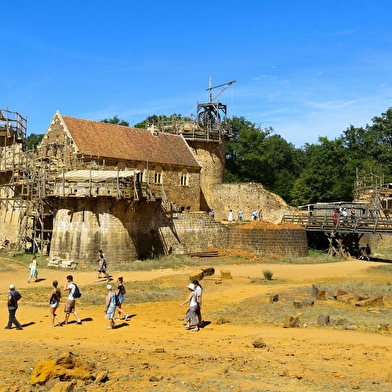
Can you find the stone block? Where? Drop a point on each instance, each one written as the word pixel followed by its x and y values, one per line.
pixel 196 275
pixel 317 292
pixel 339 292
pixel 274 298
pixel 323 320
pixel 370 302
pixel 291 321
pixel 348 298
pixel 308 302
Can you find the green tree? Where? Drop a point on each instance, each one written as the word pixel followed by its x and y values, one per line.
pixel 327 175
pixel 160 120
pixel 115 120
pixel 32 141
pixel 379 140
pixel 256 154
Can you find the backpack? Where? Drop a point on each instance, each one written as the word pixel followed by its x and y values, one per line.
pixel 105 264
pixel 77 293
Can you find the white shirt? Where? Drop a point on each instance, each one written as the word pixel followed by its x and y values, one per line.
pixel 71 286
pixel 198 292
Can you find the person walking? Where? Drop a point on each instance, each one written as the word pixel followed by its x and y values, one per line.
pixel 120 298
pixel 335 217
pixel 190 316
pixel 199 300
pixel 110 307
pixel 33 269
pixel 54 302
pixel 69 308
pixel 368 252
pixel 102 266
pixel 12 303
pixel 230 216
pixel 240 215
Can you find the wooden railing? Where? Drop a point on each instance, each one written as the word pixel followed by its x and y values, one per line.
pixel 363 225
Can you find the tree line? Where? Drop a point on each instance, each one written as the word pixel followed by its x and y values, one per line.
pixel 323 171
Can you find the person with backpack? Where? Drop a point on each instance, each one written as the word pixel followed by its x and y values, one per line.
pixel 120 298
pixel 13 298
pixel 73 292
pixel 54 302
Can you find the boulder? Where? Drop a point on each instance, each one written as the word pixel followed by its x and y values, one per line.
pixel 196 275
pixel 221 321
pixel 317 292
pixel 339 292
pixel 308 302
pixel 348 298
pixel 291 321
pixel 323 320
pixel 259 343
pixel 385 327
pixel 372 301
pixel 208 271
pixel 64 367
pixel 274 298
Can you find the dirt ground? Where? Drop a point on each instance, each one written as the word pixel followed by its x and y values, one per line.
pixel 153 351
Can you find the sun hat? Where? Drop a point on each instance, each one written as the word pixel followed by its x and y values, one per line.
pixel 12 287
pixel 109 286
pixel 191 286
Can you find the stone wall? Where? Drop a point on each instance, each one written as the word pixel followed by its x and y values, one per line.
pixel 281 240
pixel 82 226
pixel 127 232
pixel 142 230
pixel 247 196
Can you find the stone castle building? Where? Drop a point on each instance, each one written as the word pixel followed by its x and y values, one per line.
pixel 135 193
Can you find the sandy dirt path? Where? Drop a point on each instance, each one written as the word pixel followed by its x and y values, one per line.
pixel 152 351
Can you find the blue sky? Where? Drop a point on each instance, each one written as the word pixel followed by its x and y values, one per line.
pixel 304 68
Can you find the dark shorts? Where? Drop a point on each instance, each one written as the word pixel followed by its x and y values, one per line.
pixel 197 311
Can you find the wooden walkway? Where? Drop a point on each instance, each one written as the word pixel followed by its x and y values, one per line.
pixel 360 225
pixel 343 235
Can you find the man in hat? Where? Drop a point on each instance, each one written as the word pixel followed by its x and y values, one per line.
pixel 13 298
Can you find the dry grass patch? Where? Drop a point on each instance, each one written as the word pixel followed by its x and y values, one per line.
pixel 259 310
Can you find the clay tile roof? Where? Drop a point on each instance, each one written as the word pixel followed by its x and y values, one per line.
pixel 121 142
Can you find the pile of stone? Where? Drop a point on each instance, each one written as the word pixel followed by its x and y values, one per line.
pixel 57 262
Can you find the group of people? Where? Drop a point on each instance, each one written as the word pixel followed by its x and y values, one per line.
pixel 193 318
pixel 256 215
pixel 341 216
pixel 114 301
pixel 361 253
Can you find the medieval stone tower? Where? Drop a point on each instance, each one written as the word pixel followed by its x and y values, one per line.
pixel 207 137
